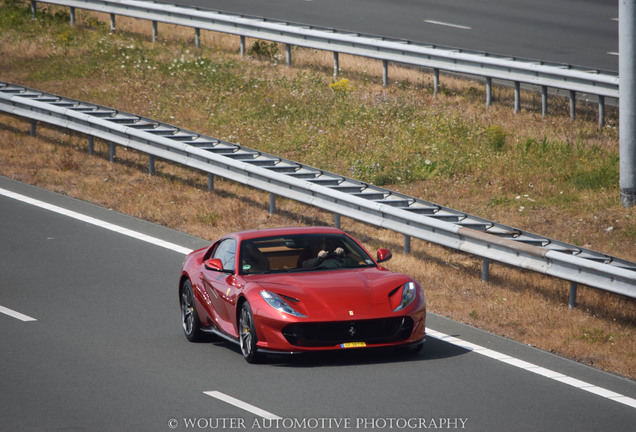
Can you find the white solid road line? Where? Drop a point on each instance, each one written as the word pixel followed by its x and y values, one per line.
pixel 14 314
pixel 582 385
pixel 96 222
pixel 608 394
pixel 243 405
pixel 441 23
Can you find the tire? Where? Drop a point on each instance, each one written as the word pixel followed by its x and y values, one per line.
pixel 416 348
pixel 410 349
pixel 189 318
pixel 247 334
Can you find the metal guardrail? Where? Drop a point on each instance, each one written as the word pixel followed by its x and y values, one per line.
pixel 331 192
pixel 516 70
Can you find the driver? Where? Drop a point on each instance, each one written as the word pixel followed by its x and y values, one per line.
pixel 320 249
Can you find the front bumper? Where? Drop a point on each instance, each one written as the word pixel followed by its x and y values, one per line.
pixel 284 334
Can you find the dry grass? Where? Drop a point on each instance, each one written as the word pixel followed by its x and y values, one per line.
pixel 524 306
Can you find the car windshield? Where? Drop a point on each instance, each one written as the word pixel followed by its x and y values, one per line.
pixel 301 252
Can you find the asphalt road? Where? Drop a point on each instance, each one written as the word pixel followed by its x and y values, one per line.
pixel 91 341
pixel 576 32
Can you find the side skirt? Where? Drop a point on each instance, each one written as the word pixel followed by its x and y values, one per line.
pixel 231 339
pixel 220 334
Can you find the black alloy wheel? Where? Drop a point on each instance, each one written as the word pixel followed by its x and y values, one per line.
pixel 247 334
pixel 189 317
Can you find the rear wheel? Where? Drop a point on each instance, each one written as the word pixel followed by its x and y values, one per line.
pixel 189 317
pixel 247 334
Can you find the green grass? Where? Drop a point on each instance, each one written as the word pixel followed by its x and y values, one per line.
pixel 391 137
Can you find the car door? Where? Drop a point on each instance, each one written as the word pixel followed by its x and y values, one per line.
pixel 222 286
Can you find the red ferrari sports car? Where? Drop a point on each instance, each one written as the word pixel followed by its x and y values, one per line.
pixel 289 290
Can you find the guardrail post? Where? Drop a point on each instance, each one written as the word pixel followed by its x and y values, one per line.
pixel 154 31
pixel 572 297
pixel 544 101
pixel 517 97
pixel 336 220
pixel 211 182
pixel 485 270
pixel 32 129
pixel 151 165
pixel 407 244
pixel 336 64
pixel 435 81
pixel 272 203
pixel 572 105
pixel 488 91
pixel 385 73
pixel 34 9
pixel 197 38
pixel 627 102
pixel 242 46
pixel 288 58
pixel 601 111
pixel 91 145
pixel 112 22
pixel 111 155
pixel 72 15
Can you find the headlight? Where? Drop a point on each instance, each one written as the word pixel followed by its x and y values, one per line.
pixel 409 292
pixel 275 301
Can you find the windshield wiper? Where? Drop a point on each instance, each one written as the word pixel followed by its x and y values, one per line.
pixel 287 270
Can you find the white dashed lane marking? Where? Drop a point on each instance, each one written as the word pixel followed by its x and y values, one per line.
pixel 243 405
pixel 16 315
pixel 446 24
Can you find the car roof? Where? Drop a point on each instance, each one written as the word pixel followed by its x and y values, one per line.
pixel 272 232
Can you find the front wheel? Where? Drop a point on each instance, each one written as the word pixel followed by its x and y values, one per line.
pixel 410 349
pixel 247 334
pixel 189 318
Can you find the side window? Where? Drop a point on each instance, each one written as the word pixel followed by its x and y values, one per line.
pixel 226 252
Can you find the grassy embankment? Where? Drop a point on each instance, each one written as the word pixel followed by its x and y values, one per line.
pixel 545 175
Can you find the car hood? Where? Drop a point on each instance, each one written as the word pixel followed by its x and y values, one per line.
pixel 336 295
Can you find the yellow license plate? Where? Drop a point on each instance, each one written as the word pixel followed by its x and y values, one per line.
pixel 353 345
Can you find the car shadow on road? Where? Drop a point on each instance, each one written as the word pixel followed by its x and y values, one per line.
pixel 434 349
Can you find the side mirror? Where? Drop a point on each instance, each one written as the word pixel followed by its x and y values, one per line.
pixel 384 255
pixel 213 264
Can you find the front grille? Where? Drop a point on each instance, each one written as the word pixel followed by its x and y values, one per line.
pixel 374 331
